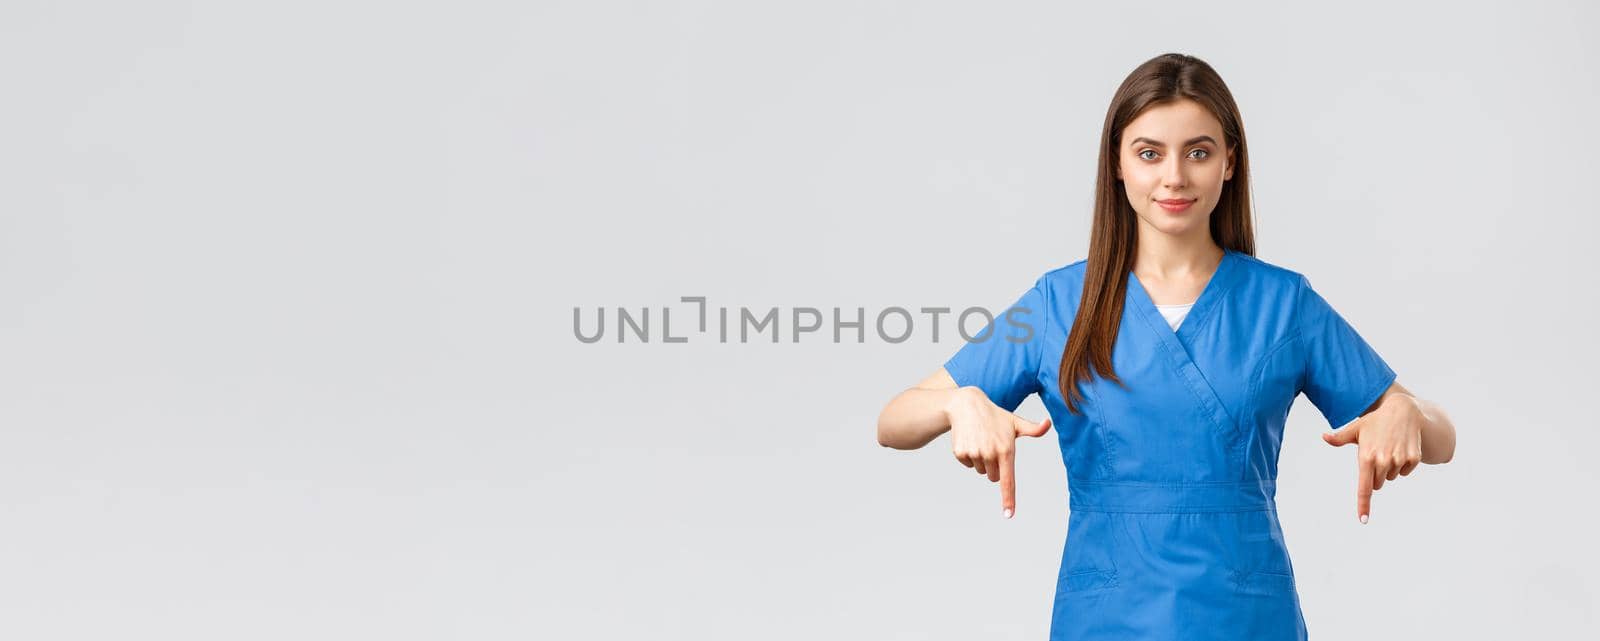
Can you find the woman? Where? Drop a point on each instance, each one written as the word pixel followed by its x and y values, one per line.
pixel 1184 354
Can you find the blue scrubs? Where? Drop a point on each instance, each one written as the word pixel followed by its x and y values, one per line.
pixel 1173 531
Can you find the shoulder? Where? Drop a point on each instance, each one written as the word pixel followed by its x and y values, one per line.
pixel 1069 275
pixel 1291 288
pixel 1262 272
pixel 1062 285
pixel 1268 284
pixel 1059 290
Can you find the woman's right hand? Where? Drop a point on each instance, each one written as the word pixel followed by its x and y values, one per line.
pixel 983 436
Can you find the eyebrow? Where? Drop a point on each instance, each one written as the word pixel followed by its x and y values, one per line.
pixel 1162 144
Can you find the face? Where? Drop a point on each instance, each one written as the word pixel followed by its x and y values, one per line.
pixel 1174 152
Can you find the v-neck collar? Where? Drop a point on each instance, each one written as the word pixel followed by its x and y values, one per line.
pixel 1175 345
pixel 1200 311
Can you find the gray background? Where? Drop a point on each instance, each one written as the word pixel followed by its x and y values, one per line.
pixel 287 296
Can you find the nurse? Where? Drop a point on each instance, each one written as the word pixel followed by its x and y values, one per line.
pixel 1167 360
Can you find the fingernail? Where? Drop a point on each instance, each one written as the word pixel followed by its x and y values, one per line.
pixel 1363 519
pixel 1007 512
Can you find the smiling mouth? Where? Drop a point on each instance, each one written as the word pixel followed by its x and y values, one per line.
pixel 1174 205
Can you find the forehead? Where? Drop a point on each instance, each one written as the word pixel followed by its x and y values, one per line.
pixel 1174 122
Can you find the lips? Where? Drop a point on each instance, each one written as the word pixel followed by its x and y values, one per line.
pixel 1174 205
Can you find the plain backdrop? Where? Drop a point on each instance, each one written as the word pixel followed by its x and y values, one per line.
pixel 287 293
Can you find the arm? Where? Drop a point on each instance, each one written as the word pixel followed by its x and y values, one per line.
pixel 1393 436
pixel 982 435
pixel 1438 432
pixel 917 415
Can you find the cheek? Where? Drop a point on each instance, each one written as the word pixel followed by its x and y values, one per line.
pixel 1136 185
pixel 1137 178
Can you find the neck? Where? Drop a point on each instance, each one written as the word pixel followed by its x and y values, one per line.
pixel 1163 256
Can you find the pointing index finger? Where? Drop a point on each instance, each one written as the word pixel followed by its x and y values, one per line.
pixel 1008 487
pixel 1364 490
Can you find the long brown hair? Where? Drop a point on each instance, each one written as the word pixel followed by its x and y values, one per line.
pixel 1113 241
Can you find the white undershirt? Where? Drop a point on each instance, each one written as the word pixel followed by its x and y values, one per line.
pixel 1174 313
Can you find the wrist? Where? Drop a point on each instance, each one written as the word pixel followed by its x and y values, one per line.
pixel 957 397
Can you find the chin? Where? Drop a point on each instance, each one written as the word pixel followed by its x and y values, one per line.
pixel 1174 227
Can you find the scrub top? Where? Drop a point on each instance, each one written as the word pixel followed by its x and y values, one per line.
pixel 1173 529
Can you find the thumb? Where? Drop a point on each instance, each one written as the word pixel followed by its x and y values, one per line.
pixel 1340 437
pixel 1026 427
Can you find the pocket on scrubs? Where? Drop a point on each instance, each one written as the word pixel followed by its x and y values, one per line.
pixel 1263 583
pixel 1086 580
pixel 1087 564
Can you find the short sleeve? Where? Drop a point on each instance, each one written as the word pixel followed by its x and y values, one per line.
pixel 1343 375
pixel 1003 358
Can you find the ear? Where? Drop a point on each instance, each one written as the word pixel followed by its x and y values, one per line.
pixel 1228 173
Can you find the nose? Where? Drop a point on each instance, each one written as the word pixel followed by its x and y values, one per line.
pixel 1174 177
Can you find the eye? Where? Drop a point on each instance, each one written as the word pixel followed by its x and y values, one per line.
pixel 1147 151
pixel 1202 151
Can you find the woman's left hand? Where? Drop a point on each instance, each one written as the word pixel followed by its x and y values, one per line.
pixel 1388 445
